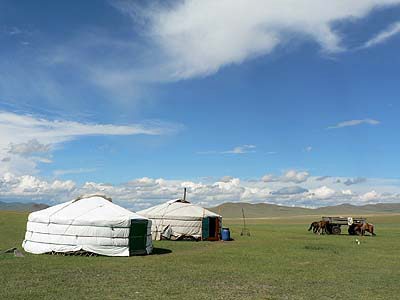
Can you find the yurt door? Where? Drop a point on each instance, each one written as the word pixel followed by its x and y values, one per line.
pixel 210 229
pixel 138 237
pixel 205 229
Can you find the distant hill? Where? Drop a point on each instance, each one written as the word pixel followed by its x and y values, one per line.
pixel 264 210
pixel 17 206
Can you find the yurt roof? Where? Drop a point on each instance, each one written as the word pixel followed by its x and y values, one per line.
pixel 177 209
pixel 85 210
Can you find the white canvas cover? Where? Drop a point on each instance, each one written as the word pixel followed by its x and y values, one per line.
pixel 89 223
pixel 176 218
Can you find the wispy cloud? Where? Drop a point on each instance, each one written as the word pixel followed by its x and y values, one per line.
pixel 383 36
pixel 24 138
pixel 308 149
pixel 39 130
pixel 321 178
pixel 176 41
pixel 355 123
pixel 11 30
pixel 73 171
pixel 197 38
pixel 243 149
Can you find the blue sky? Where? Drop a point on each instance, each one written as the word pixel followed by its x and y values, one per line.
pixel 200 95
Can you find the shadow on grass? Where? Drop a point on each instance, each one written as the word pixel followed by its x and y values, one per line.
pixel 161 251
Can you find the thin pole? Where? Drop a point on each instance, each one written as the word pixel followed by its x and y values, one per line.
pixel 244 219
pixel 245 231
pixel 184 195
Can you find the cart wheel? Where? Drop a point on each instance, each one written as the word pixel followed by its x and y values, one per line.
pixel 336 230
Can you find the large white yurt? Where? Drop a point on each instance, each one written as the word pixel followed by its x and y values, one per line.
pixel 180 219
pixel 89 223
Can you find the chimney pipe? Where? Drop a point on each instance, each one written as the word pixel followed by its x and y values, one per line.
pixel 184 195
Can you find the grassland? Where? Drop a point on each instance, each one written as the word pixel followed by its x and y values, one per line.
pixel 260 210
pixel 281 260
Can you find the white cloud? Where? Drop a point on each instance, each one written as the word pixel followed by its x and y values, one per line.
pixel 293 176
pixel 322 192
pixel 197 38
pixel 23 136
pixel 355 123
pixel 370 196
pixel 347 192
pixel 171 42
pixel 383 36
pixel 30 187
pixel 145 192
pixel 269 178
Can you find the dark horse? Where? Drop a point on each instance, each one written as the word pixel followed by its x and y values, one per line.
pixel 314 226
pixel 319 227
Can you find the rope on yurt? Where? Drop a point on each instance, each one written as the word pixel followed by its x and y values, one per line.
pixel 162 221
pixel 72 202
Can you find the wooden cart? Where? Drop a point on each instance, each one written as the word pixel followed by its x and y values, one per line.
pixel 336 222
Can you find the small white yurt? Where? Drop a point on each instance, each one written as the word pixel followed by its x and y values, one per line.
pixel 180 219
pixel 89 223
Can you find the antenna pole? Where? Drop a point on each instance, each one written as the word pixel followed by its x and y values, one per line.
pixel 184 194
pixel 245 231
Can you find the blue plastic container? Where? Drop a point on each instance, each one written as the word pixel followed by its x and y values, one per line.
pixel 225 234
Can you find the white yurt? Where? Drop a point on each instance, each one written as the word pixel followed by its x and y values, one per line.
pixel 91 224
pixel 180 219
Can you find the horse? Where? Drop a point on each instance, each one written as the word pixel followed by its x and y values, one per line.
pixel 364 227
pixel 314 226
pixel 319 227
pixel 323 227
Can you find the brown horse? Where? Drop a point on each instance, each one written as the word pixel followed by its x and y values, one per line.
pixel 364 227
pixel 323 227
pixel 319 227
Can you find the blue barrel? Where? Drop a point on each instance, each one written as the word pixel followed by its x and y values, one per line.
pixel 225 234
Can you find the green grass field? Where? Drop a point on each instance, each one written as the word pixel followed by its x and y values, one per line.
pixel 281 260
